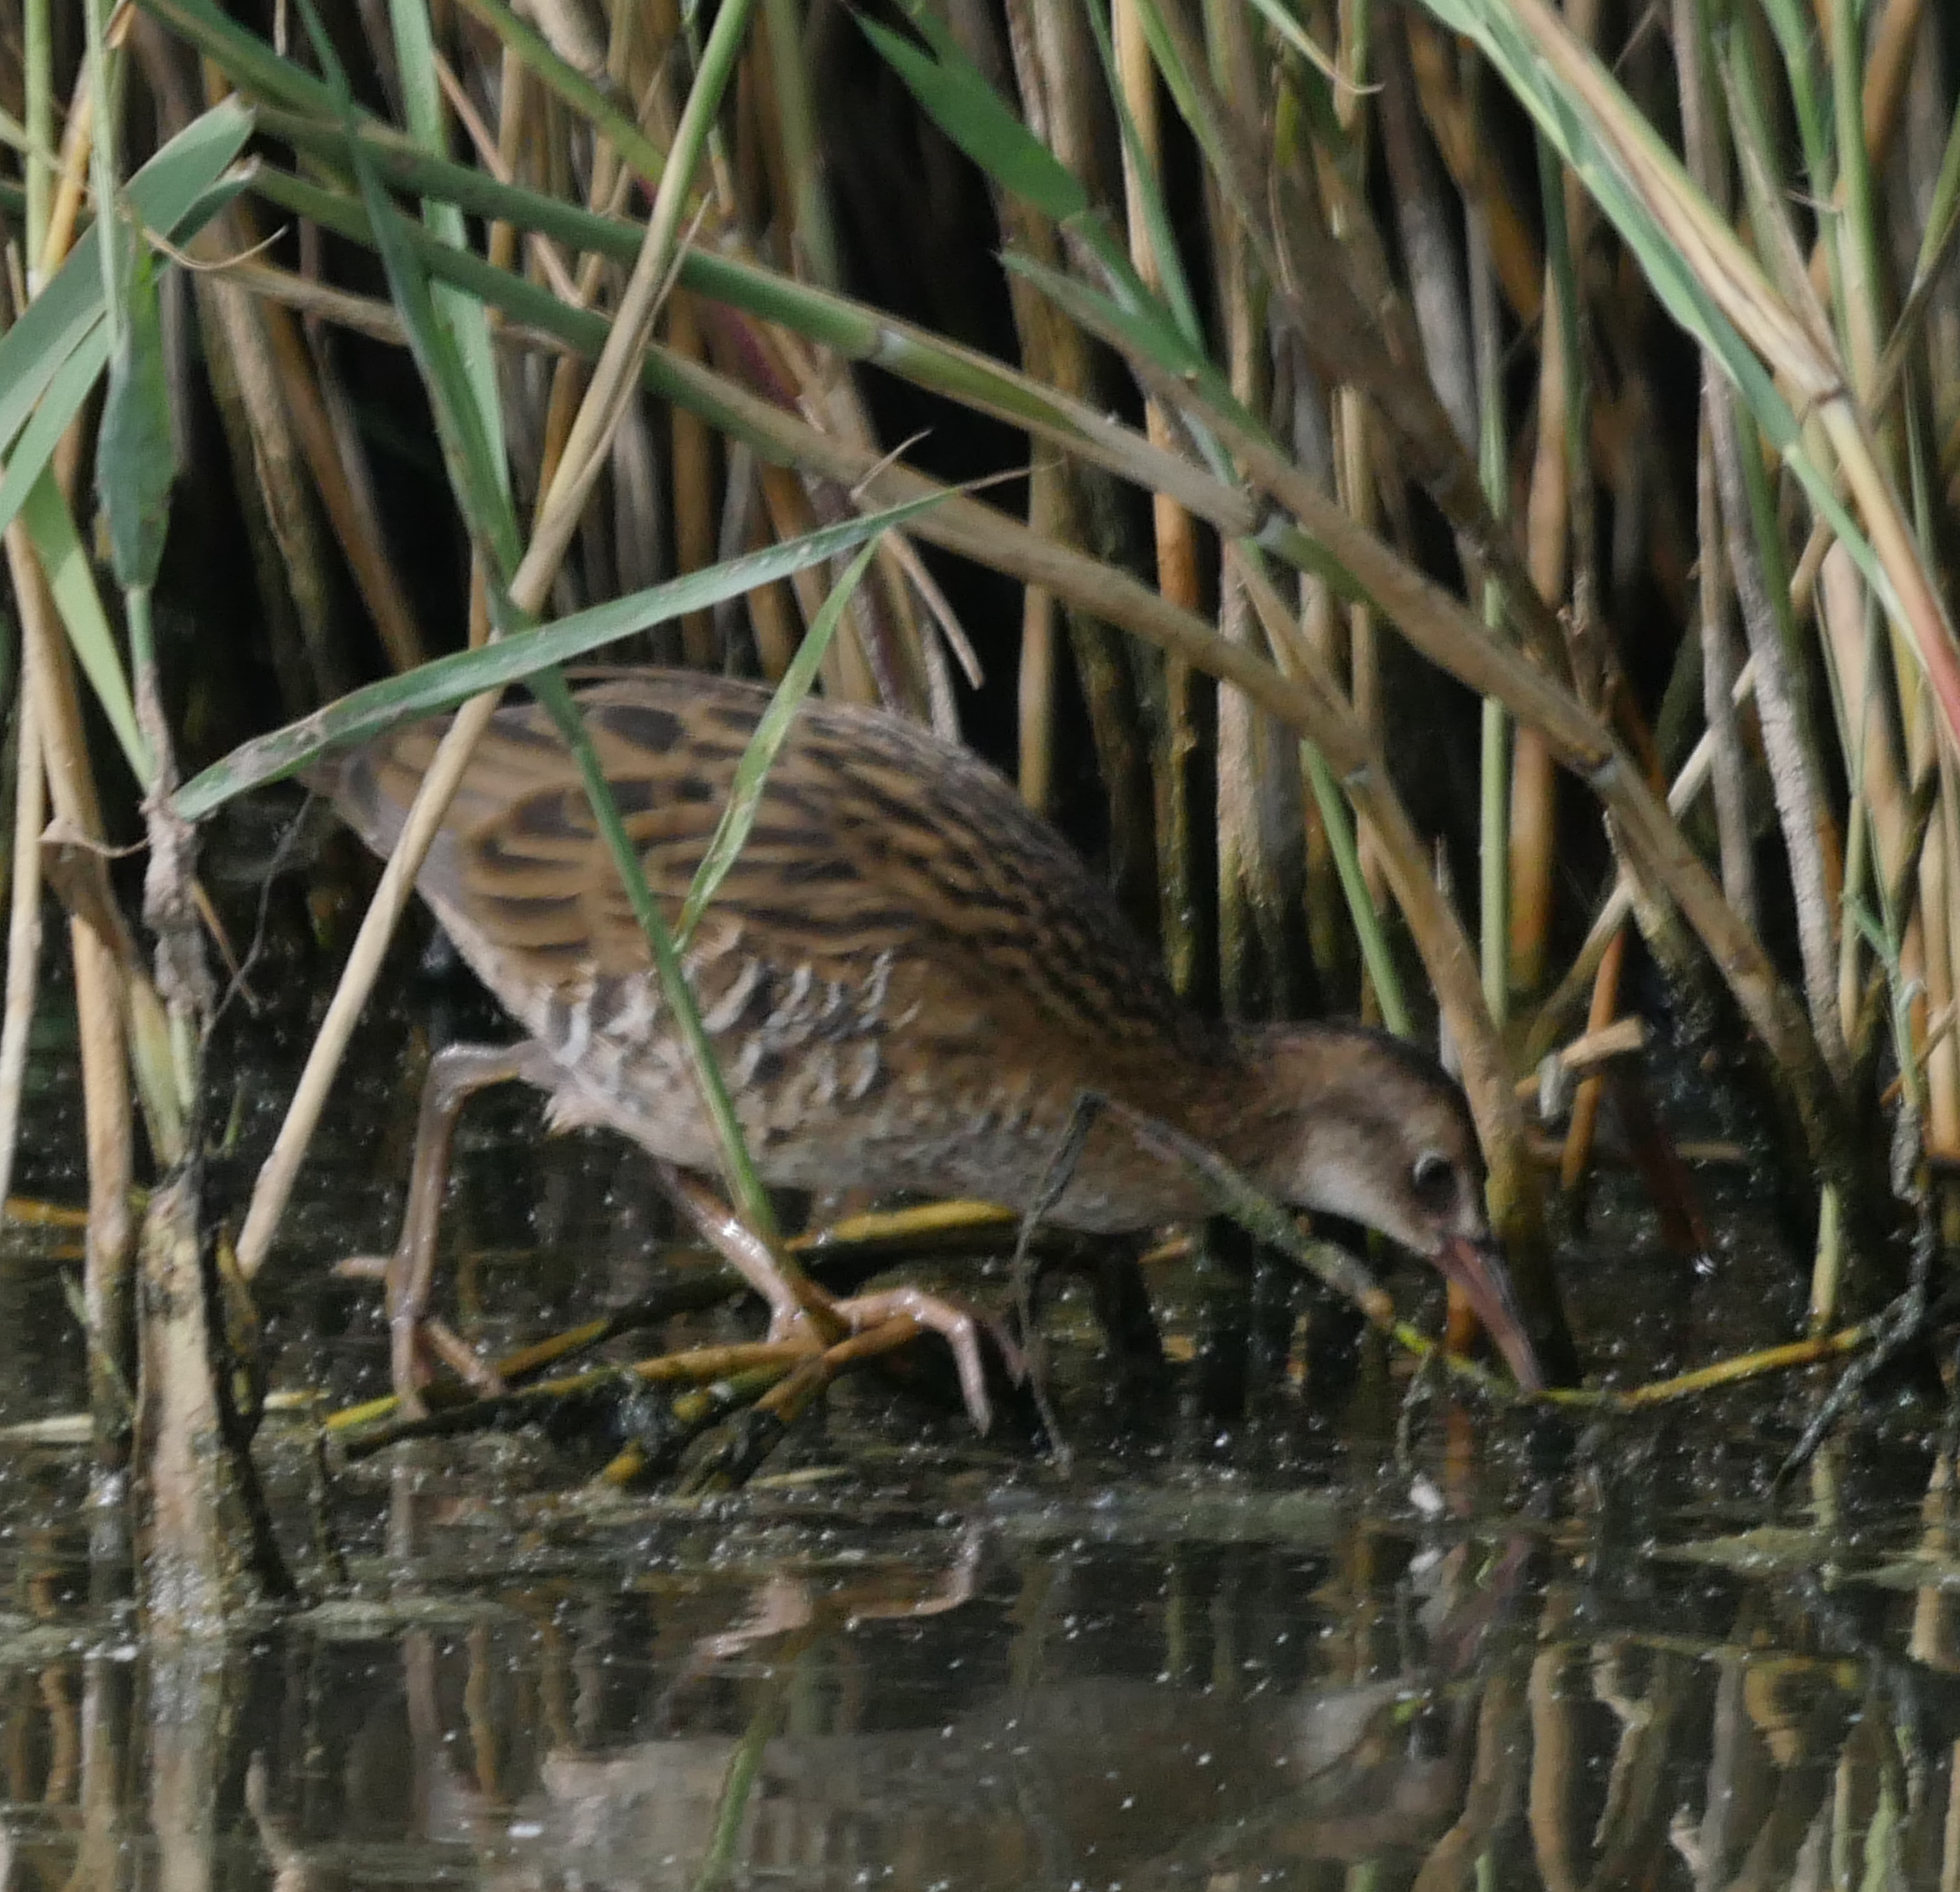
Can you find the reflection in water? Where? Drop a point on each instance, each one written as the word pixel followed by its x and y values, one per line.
pixel 1073 1693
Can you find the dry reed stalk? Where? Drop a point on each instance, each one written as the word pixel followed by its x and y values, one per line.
pixel 1929 773
pixel 883 660
pixel 1788 745
pixel 513 124
pixel 904 625
pixel 1355 325
pixel 888 647
pixel 1425 220
pixel 643 43
pixel 1586 1099
pixel 1260 830
pixel 1718 668
pixel 489 147
pixel 1035 675
pixel 899 562
pixel 762 178
pixel 1354 487
pixel 1330 936
pixel 340 480
pixel 1257 814
pixel 100 998
pixel 1907 343
pixel 1177 745
pixel 1071 424
pixel 1938 887
pixel 1788 742
pixel 1693 776
pixel 316 301
pixel 636 517
pixel 71 182
pixel 281 447
pixel 390 899
pixel 770 609
pixel 1472 162
pixel 1870 743
pixel 692 458
pixel 1534 803
pixel 568 387
pixel 24 923
pixel 1494 732
pixel 1589 1051
pixel 888 656
pixel 288 553
pixel 567 390
pixel 793 511
pixel 892 656
pixel 102 985
pixel 1873 358
pixel 1708 167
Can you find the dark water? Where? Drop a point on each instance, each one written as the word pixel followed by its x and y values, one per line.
pixel 1288 1650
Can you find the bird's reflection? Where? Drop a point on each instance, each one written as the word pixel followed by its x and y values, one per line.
pixel 1070 1783
pixel 1083 1780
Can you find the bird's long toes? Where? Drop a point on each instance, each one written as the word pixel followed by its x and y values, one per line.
pixel 462 1360
pixel 955 1324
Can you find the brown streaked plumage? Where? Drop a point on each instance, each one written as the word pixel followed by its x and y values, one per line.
pixel 907 978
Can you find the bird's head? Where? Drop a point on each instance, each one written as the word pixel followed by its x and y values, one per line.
pixel 1367 1128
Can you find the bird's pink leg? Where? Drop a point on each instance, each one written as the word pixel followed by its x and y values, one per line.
pixel 791 1296
pixel 456 1074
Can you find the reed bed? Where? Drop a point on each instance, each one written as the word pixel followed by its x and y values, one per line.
pixel 1484 487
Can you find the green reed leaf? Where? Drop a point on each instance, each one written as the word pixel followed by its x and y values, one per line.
pixel 45 513
pixel 135 460
pixel 955 95
pixel 365 713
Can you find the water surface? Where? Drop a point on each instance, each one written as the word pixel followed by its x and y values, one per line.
pixel 1311 1648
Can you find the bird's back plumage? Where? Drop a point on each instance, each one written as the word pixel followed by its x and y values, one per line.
pixel 906 976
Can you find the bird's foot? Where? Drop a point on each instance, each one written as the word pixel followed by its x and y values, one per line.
pixel 958 1326
pixel 438 1338
pixel 419 1345
pixel 801 1311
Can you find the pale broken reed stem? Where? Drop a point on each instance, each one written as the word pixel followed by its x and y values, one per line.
pixel 24 931
pixel 274 1185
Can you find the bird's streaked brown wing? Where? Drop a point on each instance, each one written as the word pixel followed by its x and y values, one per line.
pixel 873 843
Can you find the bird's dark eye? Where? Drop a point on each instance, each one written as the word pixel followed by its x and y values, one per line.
pixel 1433 1179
